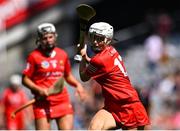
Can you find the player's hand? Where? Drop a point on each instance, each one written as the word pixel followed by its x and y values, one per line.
pixel 80 91
pixel 83 51
pixel 84 55
pixel 43 92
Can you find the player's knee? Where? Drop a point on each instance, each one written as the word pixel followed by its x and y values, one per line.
pixel 95 126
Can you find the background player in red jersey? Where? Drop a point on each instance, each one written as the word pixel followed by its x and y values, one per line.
pixel 45 65
pixel 122 106
pixel 13 97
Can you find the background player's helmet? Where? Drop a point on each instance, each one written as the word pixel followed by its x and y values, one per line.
pixel 45 28
pixel 15 79
pixel 102 29
pixel 15 82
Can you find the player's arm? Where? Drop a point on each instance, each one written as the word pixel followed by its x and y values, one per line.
pixel 70 79
pixel 26 81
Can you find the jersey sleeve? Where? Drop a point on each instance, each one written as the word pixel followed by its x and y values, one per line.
pixel 96 68
pixel 30 66
pixel 67 66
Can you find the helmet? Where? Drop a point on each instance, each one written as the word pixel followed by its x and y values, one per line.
pixel 100 32
pixel 15 79
pixel 102 28
pixel 45 28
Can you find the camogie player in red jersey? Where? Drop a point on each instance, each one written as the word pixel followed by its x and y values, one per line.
pixel 45 65
pixel 122 106
pixel 12 97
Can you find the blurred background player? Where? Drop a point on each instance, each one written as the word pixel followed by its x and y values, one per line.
pixel 122 106
pixel 45 65
pixel 14 97
pixel 156 44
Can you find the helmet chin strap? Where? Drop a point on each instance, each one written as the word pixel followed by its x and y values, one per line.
pixel 107 41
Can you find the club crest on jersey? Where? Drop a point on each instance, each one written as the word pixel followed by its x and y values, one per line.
pixel 45 64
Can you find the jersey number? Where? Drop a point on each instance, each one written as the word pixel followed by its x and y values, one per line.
pixel 118 62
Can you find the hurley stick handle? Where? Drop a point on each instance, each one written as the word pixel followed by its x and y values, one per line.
pixel 57 88
pixel 85 13
pixel 13 114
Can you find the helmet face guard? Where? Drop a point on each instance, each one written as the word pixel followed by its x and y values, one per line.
pixel 96 37
pixel 95 40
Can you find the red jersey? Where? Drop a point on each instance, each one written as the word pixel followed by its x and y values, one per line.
pixel 12 101
pixel 108 69
pixel 45 71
